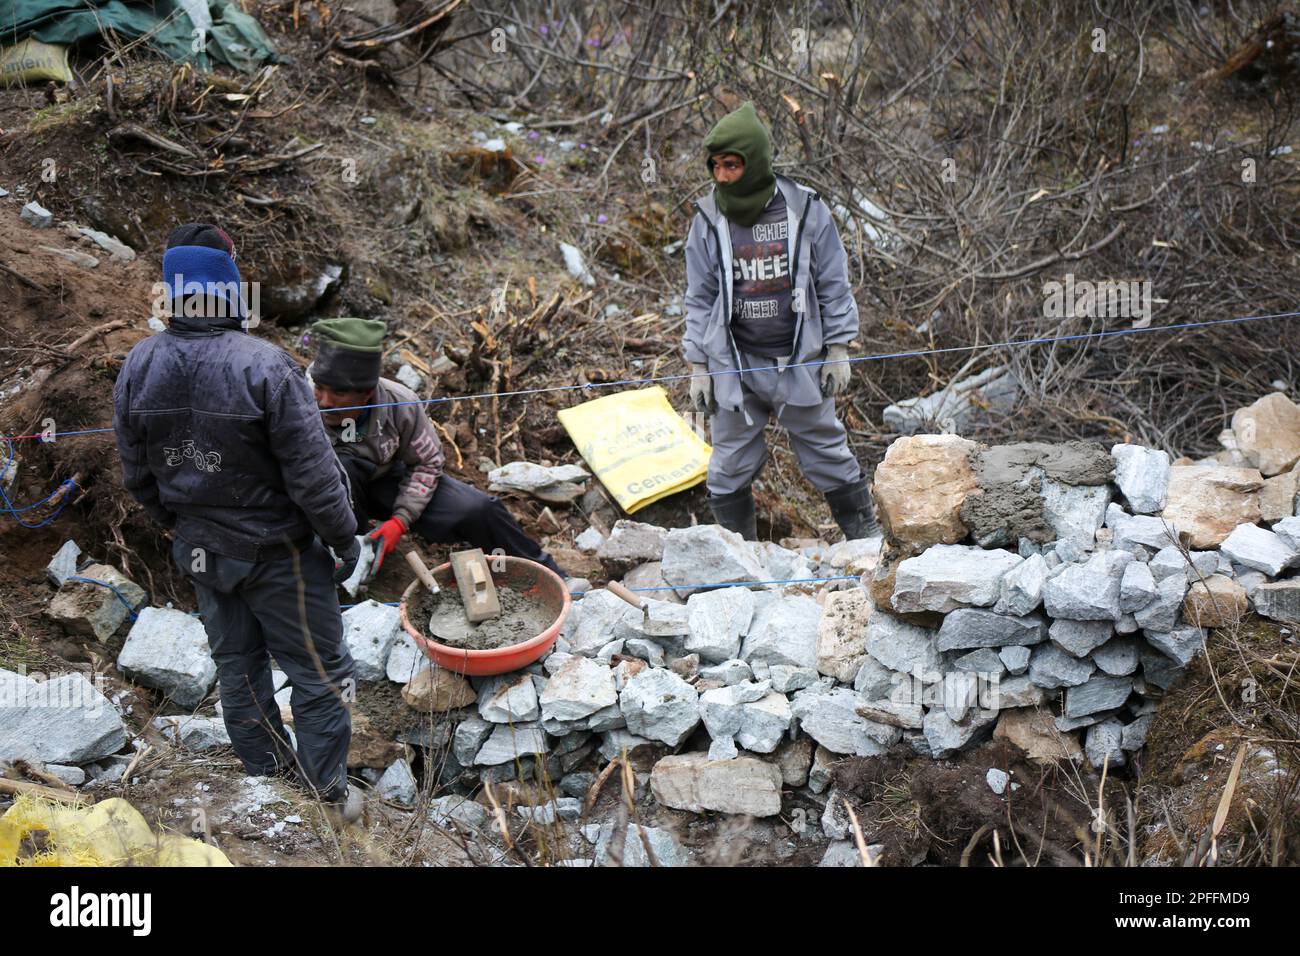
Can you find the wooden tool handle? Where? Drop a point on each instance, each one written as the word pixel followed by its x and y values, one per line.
pixel 421 570
pixel 615 588
pixel 480 579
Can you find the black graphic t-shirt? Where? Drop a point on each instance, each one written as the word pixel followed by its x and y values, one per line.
pixel 762 320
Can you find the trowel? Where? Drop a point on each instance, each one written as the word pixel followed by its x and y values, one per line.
pixel 445 627
pixel 658 618
pixel 619 590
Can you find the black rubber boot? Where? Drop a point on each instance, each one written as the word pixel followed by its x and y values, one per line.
pixel 735 512
pixel 853 509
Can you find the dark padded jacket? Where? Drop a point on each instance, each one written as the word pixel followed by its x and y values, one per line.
pixel 221 440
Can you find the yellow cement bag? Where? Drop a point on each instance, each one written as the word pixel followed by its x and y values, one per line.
pixel 34 62
pixel 111 833
pixel 637 445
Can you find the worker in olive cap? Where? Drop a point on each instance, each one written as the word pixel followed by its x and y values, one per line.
pixel 769 316
pixel 392 454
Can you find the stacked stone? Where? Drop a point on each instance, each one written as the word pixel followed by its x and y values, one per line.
pixel 1049 594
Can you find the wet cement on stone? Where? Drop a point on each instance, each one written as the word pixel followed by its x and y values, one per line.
pixel 521 619
pixel 1009 503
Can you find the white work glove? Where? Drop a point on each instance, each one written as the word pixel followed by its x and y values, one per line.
pixel 835 373
pixel 702 389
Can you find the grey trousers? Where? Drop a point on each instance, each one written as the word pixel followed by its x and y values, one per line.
pixel 818 438
pixel 287 609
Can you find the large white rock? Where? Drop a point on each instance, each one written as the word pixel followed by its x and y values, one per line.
pixel 168 650
pixel 946 736
pixel 1051 667
pixel 370 630
pixel 509 699
pixel 398 784
pixel 1137 587
pixel 578 689
pixel 721 707
pixel 1089 591
pixel 91 609
pixel 528 477
pixel 694 782
pixel 900 645
pixel 831 718
pixel 659 705
pixel 949 576
pixel 631 543
pixel 597 619
pixel 764 722
pixel 1163 612
pixel 508 743
pixel 1021 589
pixel 1262 550
pixel 1074 511
pixel 784 631
pixel 192 732
pixel 666 851
pixel 707 555
pixel 717 621
pixel 1129 532
pixel 405 659
pixel 62 720
pixel 1142 475
pixel 966 628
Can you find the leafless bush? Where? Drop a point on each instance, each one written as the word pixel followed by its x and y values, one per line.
pixel 973 151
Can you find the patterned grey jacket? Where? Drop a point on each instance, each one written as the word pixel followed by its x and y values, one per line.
pixel 397 433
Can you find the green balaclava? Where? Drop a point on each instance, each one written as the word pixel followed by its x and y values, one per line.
pixel 743 133
pixel 349 353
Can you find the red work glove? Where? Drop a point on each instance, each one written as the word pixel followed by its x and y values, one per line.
pixel 390 532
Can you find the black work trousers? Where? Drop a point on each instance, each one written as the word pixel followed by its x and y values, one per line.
pixel 288 610
pixel 456 512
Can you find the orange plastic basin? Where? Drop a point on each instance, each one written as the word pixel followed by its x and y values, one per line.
pixel 535 581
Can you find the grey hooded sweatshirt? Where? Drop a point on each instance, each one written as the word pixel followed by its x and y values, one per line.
pixel 825 311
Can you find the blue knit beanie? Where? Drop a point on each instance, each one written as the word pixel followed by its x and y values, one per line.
pixel 199 260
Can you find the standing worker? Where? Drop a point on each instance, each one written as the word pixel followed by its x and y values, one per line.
pixel 222 443
pixel 393 456
pixel 767 289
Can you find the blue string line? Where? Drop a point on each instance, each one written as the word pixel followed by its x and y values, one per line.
pixel 883 356
pixel 15 512
pixel 675 587
pixel 738 584
pixel 104 584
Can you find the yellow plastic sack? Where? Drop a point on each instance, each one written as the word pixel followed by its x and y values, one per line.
pixel 111 833
pixel 637 445
pixel 34 62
